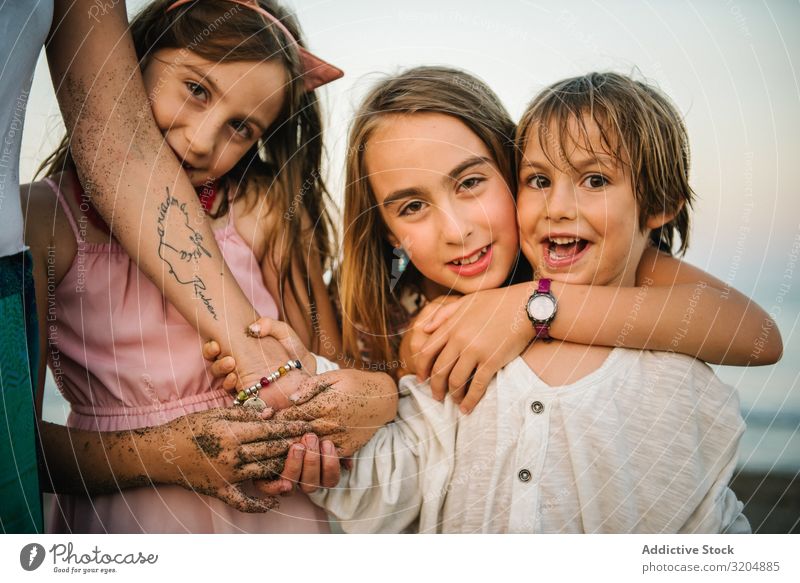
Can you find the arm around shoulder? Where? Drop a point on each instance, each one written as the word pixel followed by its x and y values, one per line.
pixel 677 308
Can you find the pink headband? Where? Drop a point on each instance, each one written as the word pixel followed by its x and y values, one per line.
pixel 316 72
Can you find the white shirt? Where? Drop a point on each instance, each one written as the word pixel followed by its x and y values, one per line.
pixel 23 29
pixel 646 443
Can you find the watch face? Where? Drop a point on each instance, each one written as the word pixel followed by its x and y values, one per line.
pixel 542 307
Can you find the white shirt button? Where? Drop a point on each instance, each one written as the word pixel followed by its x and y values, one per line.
pixel 524 475
pixel 537 407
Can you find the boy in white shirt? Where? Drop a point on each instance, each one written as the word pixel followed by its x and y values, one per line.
pixel 570 438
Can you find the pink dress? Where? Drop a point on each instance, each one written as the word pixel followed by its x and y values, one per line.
pixel 125 358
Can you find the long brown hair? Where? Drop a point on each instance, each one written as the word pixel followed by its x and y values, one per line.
pixel 638 125
pixel 286 161
pixel 366 293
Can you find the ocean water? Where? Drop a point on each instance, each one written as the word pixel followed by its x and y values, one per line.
pixel 770 398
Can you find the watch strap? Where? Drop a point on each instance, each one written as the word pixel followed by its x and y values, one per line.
pixel 542 332
pixel 542 328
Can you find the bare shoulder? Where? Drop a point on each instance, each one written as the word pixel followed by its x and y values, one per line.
pixel 39 210
pixel 47 229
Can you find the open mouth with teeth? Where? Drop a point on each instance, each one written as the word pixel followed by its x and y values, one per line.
pixel 473 264
pixel 472 258
pixel 564 250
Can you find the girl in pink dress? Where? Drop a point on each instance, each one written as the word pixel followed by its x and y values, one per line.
pixel 233 93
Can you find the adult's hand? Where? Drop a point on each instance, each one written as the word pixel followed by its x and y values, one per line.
pixel 217 449
pixel 208 452
pixel 356 402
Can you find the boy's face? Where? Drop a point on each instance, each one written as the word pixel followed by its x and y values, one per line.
pixel 578 219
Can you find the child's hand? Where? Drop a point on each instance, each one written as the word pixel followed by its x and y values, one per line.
pixel 225 367
pixel 473 339
pixel 310 464
pixel 416 336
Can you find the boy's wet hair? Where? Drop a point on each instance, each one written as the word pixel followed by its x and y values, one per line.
pixel 639 126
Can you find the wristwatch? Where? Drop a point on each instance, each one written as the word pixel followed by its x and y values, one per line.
pixel 542 308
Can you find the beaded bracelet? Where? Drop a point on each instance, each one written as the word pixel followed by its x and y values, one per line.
pixel 249 397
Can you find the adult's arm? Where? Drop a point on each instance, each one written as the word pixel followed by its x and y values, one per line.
pixel 138 185
pixel 208 452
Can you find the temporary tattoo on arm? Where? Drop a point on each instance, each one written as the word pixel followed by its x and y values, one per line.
pixel 181 248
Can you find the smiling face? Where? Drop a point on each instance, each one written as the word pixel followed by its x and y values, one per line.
pixel 578 218
pixel 212 113
pixel 443 199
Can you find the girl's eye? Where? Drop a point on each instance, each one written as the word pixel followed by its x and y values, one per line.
pixel 470 183
pixel 538 181
pixel 411 208
pixel 596 181
pixel 197 90
pixel 242 128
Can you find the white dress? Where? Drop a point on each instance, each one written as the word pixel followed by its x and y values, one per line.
pixel 646 443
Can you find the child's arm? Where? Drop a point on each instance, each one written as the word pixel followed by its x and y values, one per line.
pixel 415 337
pixel 131 177
pixel 677 308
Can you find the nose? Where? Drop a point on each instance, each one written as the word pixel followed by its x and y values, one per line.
pixel 561 201
pixel 454 224
pixel 201 137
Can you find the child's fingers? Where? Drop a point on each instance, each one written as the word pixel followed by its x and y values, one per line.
pixel 440 317
pixel 461 373
pixel 231 381
pixel 331 468
pixel 287 338
pixel 310 477
pixel 266 326
pixel 440 373
pixel 223 366
pixel 211 350
pixel 477 388
pixel 261 327
pixel 428 353
pixel 279 487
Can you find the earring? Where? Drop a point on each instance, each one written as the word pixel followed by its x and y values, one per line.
pixel 401 260
pixel 399 265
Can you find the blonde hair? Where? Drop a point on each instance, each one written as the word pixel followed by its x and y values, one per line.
pixel 368 303
pixel 638 125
